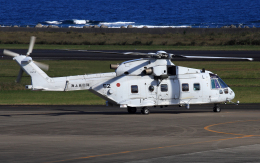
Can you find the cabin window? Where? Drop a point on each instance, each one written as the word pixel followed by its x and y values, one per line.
pixel 164 87
pixel 196 86
pixel 185 87
pixel 134 88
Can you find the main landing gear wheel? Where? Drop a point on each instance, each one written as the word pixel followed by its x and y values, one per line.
pixel 216 108
pixel 131 110
pixel 145 110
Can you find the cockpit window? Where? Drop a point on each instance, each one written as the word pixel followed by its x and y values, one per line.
pixel 222 83
pixel 213 84
pixel 217 82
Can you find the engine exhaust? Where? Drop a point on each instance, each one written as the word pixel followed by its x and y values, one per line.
pixel 148 71
pixel 114 66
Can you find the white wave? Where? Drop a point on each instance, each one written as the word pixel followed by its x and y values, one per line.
pixel 152 26
pixel 119 24
pixel 53 22
pixel 75 26
pixel 75 21
pixel 149 26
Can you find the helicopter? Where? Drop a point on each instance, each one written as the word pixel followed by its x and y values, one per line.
pixel 139 83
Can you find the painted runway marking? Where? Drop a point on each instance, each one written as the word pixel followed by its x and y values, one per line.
pixel 240 136
pixel 207 127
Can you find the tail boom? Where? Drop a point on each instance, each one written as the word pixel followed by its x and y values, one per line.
pixel 40 81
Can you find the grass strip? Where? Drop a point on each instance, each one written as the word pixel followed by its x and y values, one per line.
pixel 28 97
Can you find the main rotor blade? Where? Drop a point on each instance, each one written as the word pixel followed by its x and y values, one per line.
pixel 162 54
pixel 10 53
pixel 32 42
pixel 210 57
pixel 42 65
pixel 18 79
pixel 137 53
pixel 126 53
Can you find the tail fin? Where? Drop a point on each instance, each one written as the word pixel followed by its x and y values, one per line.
pixel 40 80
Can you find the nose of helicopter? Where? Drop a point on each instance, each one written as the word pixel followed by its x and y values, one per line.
pixel 232 94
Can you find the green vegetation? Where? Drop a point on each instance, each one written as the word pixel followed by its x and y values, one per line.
pixel 241 76
pixel 133 40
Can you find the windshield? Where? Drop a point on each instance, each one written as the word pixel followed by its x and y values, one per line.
pixel 217 82
pixel 222 83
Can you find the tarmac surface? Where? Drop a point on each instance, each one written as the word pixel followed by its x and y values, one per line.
pixel 110 134
pixel 62 54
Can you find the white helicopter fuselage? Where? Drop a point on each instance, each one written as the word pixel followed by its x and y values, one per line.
pixel 132 85
pixel 153 81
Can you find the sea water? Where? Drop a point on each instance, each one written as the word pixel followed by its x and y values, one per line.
pixel 138 13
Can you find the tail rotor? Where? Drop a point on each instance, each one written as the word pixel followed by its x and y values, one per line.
pixel 30 49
